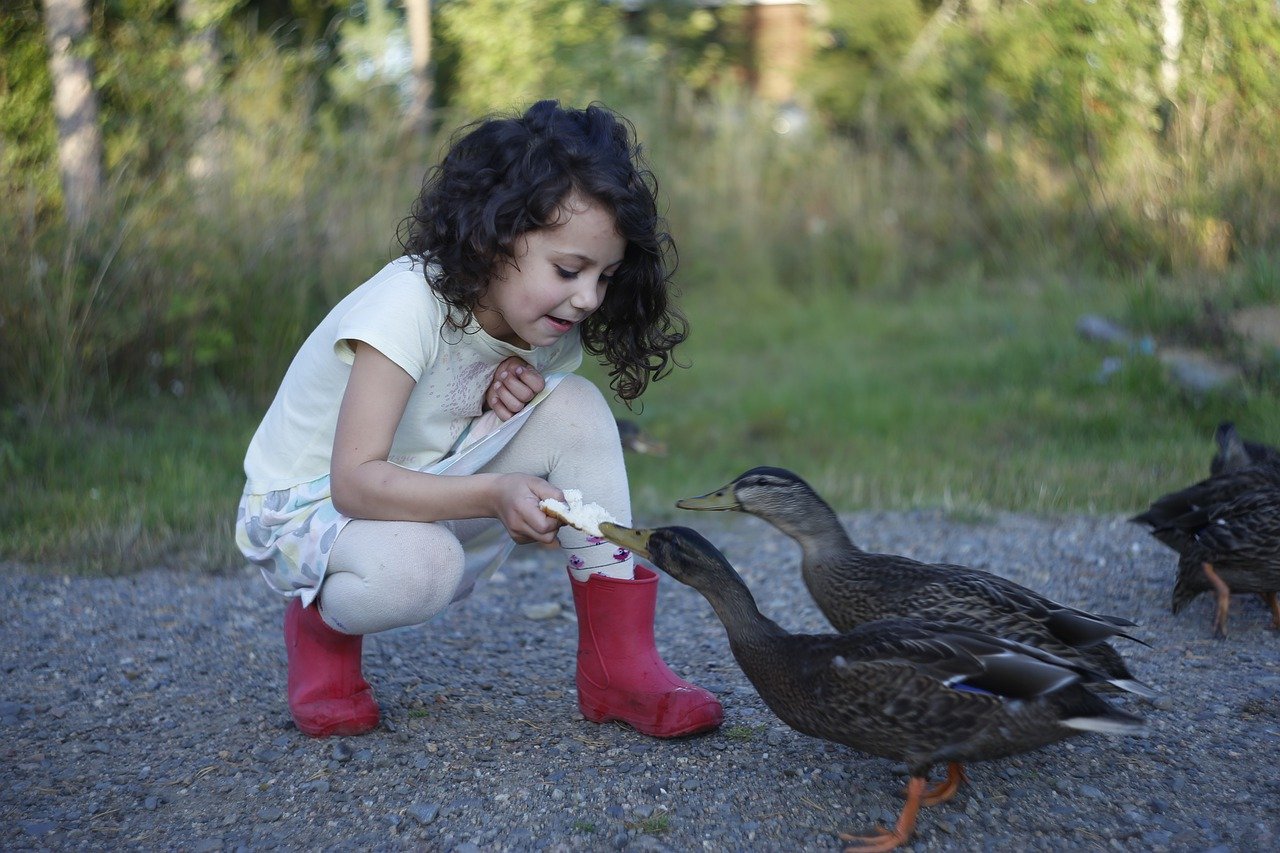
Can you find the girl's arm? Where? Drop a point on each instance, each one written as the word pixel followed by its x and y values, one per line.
pixel 365 485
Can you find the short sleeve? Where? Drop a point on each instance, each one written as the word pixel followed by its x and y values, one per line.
pixel 399 316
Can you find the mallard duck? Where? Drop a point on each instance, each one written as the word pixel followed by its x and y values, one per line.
pixel 1212 491
pixel 920 692
pixel 1234 452
pixel 637 440
pixel 1226 530
pixel 852 586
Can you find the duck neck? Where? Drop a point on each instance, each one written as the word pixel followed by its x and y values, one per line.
pixel 818 530
pixel 742 619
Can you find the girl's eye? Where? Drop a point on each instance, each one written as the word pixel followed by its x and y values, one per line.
pixel 564 273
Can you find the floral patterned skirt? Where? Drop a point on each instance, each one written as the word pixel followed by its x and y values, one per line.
pixel 289 533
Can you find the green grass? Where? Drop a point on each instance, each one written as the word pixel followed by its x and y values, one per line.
pixel 966 397
pixel 969 397
pixel 156 485
pixel 743 733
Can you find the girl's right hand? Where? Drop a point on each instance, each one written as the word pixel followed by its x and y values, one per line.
pixel 518 496
pixel 515 384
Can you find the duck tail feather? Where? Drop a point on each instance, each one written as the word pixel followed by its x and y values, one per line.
pixel 1110 725
pixel 1132 685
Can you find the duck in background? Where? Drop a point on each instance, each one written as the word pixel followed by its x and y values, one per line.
pixel 1226 532
pixel 904 689
pixel 852 586
pixel 637 440
pixel 1234 452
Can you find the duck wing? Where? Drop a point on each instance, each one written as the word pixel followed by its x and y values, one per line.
pixel 1247 526
pixel 951 656
pixel 1073 626
pixel 986 602
pixel 1171 517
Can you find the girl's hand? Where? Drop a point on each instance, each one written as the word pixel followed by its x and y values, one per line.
pixel 515 383
pixel 518 496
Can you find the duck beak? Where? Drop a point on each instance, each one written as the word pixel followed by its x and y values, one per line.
pixel 720 499
pixel 635 541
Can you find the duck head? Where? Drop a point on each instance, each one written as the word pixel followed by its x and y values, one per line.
pixel 681 552
pixel 1232 454
pixel 765 491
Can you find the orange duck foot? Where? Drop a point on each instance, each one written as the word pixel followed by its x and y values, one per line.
pixel 1270 599
pixel 947 788
pixel 1223 594
pixel 944 790
pixel 886 839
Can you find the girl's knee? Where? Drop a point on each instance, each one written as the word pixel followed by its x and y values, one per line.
pixel 577 401
pixel 392 574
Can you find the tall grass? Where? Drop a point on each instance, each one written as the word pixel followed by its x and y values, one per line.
pixel 177 284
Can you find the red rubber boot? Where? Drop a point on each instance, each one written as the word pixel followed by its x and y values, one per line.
pixel 327 693
pixel 620 674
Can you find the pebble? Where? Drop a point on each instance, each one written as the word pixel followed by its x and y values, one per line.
pixel 538 612
pixel 188 744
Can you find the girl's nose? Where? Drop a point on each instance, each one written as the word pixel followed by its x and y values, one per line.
pixel 588 297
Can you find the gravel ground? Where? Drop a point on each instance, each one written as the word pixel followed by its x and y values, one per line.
pixel 148 712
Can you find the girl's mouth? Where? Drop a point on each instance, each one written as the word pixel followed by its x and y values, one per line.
pixel 558 324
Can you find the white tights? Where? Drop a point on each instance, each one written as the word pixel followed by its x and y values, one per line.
pixel 388 574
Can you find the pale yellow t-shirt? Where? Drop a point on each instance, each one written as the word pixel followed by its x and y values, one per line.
pixel 398 314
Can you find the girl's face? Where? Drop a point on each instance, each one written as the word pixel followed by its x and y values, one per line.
pixel 557 280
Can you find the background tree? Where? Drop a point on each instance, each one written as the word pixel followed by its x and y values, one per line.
pixel 418 24
pixel 200 20
pixel 75 106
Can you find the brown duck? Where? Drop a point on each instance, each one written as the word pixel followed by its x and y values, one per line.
pixel 852 586
pixel 919 692
pixel 1226 531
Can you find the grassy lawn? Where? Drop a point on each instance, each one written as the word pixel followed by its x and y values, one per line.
pixel 968 397
pixel 965 397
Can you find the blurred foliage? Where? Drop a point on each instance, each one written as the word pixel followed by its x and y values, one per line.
pixel 948 141
pixel 858 43
pixel 497 55
pixel 28 152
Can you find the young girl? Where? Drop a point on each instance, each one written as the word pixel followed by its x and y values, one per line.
pixel 421 423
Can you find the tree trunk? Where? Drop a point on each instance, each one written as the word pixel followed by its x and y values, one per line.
pixel 204 117
pixel 1170 46
pixel 419 26
pixel 75 104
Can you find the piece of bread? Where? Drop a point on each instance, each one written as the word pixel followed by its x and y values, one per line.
pixel 573 512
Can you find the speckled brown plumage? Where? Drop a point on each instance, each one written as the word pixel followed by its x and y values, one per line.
pixel 1226 531
pixel 852 586
pixel 919 692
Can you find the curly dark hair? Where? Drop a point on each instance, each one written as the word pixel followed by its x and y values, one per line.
pixel 504 177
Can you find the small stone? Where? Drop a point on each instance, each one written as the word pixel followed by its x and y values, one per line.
pixel 539 612
pixel 423 813
pixel 270 814
pixel 36 828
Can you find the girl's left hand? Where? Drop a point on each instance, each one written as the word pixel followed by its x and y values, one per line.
pixel 515 383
